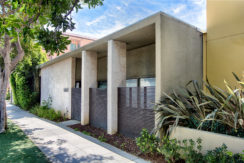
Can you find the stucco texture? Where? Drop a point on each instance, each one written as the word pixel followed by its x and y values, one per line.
pixel 225 40
pixel 140 62
pixel 179 55
pixel 54 79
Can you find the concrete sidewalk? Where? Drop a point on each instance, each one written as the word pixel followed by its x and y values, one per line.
pixel 60 144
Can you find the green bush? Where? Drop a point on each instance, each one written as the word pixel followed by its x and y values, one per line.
pixel 222 155
pixel 24 79
pixel 214 110
pixel 169 149
pixel 147 142
pixel 8 95
pixel 187 151
pixel 47 113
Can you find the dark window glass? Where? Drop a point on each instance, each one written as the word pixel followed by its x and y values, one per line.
pixel 146 82
pixel 102 84
pixel 72 47
pixel 131 83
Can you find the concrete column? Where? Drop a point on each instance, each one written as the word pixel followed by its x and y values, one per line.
pixel 116 78
pixel 159 65
pixel 89 80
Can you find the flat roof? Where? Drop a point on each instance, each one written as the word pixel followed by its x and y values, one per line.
pixel 79 36
pixel 139 34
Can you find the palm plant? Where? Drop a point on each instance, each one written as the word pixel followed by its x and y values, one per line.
pixel 192 105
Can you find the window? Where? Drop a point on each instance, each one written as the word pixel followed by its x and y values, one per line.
pixel 131 83
pixel 72 47
pixel 146 82
pixel 102 84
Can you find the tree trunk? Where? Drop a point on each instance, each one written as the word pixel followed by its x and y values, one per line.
pixel 3 89
pixel 5 72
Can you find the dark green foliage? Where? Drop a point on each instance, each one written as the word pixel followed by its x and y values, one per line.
pixel 222 155
pixel 47 113
pixel 214 110
pixel 13 86
pixel 44 111
pixel 102 138
pixel 23 79
pixel 187 151
pixel 217 127
pixel 85 132
pixel 8 95
pixel 147 142
pixel 16 147
pixel 169 149
pixel 42 21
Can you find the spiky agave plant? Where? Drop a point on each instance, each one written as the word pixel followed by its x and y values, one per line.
pixel 193 104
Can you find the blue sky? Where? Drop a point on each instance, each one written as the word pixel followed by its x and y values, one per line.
pixel 117 14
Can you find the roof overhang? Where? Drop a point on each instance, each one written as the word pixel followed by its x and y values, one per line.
pixel 137 35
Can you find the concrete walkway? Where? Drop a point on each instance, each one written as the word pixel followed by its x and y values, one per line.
pixel 61 145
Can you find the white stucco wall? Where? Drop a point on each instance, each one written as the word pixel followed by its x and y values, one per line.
pixel 54 79
pixel 140 62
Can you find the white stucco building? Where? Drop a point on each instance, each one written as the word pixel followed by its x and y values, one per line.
pixel 125 69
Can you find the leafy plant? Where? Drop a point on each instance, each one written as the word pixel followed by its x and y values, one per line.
pixel 25 78
pixel 122 146
pixel 188 151
pixel 222 155
pixel 47 113
pixel 170 149
pixel 86 133
pixel 147 142
pixel 76 129
pixel 8 95
pixel 102 138
pixel 210 110
pixel 191 151
pixel 47 103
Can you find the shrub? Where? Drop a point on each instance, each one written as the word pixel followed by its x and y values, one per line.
pixel 169 149
pixel 47 113
pixel 102 138
pixel 221 154
pixel 187 151
pixel 216 110
pixel 24 79
pixel 8 95
pixel 147 142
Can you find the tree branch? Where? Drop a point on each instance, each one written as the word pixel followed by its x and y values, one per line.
pixel 70 11
pixel 1 52
pixel 7 45
pixel 20 55
pixel 36 16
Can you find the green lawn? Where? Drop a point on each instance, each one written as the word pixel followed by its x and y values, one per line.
pixel 16 147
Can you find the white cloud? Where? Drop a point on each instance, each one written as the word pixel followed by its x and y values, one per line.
pixel 125 2
pixel 201 20
pixel 199 2
pixel 115 15
pixel 179 9
pixel 118 7
pixel 100 32
pixel 95 20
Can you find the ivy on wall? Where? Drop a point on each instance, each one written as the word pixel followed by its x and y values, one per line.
pixel 24 79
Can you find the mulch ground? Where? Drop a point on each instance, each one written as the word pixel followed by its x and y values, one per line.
pixel 117 140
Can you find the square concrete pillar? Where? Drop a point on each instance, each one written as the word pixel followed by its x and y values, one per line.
pixel 89 80
pixel 116 78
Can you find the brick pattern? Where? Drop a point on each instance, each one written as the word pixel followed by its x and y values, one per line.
pixel 98 107
pixel 135 110
pixel 76 104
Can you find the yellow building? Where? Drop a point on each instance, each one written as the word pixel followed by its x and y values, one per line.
pixel 225 41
